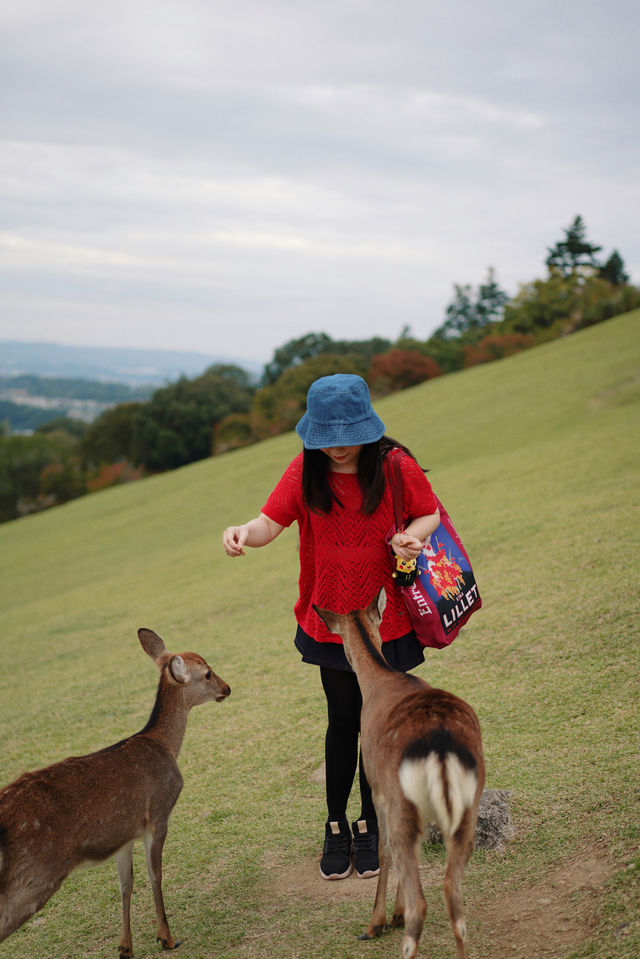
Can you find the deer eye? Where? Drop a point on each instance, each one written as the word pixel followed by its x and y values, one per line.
pixel 208 674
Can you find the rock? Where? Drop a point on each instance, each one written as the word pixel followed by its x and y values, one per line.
pixel 494 829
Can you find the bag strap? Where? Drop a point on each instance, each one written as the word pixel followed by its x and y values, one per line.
pixel 395 481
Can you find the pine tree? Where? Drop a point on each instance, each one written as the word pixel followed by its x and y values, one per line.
pixel 613 270
pixel 470 311
pixel 573 254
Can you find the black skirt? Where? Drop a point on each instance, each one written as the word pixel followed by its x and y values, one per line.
pixel 402 654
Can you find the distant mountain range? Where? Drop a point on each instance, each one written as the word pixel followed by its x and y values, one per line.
pixel 112 364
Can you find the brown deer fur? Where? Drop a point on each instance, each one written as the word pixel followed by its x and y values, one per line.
pixel 84 809
pixel 422 755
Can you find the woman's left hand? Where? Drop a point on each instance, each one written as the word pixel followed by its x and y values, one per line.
pixel 406 546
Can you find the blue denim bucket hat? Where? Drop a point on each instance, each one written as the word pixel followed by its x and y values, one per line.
pixel 339 413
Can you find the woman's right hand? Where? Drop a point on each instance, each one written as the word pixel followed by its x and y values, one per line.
pixel 234 538
pixel 257 532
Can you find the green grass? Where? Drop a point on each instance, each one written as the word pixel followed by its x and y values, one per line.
pixel 536 459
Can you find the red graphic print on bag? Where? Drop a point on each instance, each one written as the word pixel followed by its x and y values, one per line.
pixel 445 574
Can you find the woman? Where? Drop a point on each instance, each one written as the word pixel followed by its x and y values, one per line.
pixel 337 491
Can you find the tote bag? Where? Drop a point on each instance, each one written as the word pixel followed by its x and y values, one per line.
pixel 441 592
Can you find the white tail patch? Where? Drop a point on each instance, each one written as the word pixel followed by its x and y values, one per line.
pixel 423 784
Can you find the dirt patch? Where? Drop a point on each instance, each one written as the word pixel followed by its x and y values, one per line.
pixel 543 919
pixel 304 880
pixel 547 918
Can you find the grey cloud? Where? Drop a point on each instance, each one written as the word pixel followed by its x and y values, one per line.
pixel 253 171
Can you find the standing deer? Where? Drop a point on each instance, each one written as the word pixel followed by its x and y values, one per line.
pixel 422 754
pixel 84 809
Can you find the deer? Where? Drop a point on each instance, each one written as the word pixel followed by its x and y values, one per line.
pixel 82 810
pixel 422 754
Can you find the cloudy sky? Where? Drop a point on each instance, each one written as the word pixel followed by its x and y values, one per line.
pixel 226 176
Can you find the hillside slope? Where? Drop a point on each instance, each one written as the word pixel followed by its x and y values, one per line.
pixel 536 459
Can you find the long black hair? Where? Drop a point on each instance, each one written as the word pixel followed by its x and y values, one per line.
pixel 315 483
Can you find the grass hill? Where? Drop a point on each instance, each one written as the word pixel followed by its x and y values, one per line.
pixel 536 459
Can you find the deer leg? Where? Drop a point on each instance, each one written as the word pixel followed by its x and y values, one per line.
pixel 153 844
pixel 379 915
pixel 459 849
pixel 124 862
pixel 397 921
pixel 405 847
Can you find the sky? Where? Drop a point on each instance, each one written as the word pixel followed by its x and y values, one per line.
pixel 224 177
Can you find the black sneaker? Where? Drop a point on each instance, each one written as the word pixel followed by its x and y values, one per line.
pixel 365 847
pixel 336 855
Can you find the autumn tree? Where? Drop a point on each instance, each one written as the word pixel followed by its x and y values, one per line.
pixel 398 369
pixel 495 347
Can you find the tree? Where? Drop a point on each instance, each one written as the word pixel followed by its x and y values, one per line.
pixel 490 301
pixel 278 407
pixel 398 369
pixel 293 353
pixel 495 347
pixel 613 270
pixel 542 308
pixel 311 345
pixel 460 313
pixel 110 437
pixel 233 432
pixel 363 350
pixel 560 305
pixel 177 425
pixel 64 426
pixel 471 311
pixel 574 254
pixel 37 471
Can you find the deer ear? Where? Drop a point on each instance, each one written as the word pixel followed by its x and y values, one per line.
pixel 330 619
pixel 152 644
pixel 178 669
pixel 380 602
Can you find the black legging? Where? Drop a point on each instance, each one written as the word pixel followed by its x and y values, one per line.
pixel 344 703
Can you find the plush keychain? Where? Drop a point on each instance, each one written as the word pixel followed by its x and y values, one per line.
pixel 406 571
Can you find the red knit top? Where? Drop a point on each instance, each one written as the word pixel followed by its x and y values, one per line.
pixel 343 553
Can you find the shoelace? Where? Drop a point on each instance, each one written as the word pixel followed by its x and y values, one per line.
pixel 366 840
pixel 333 843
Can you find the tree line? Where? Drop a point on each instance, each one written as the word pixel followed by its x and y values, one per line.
pixel 224 409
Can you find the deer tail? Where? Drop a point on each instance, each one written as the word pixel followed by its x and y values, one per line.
pixel 441 784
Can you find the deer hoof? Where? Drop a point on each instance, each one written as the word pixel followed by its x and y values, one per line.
pixel 397 922
pixel 165 944
pixel 372 933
